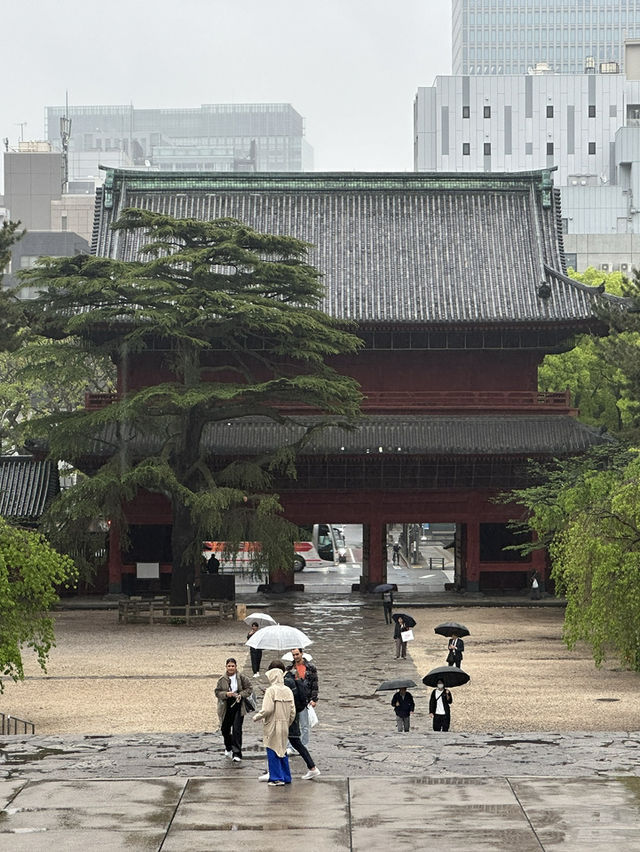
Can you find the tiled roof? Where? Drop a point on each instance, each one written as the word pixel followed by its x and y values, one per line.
pixel 26 487
pixel 426 249
pixel 425 435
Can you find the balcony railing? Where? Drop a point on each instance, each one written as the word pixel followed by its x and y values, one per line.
pixel 424 402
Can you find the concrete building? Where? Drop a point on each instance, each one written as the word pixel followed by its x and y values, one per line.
pixel 212 137
pixel 36 244
pixel 511 36
pixel 32 180
pixel 586 126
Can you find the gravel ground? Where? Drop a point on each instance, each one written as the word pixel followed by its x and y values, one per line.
pixel 104 677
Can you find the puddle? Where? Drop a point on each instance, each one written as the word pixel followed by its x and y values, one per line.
pixel 520 742
pixel 606 699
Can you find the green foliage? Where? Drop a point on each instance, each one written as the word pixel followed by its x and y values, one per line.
pixel 31 573
pixel 11 318
pixel 228 319
pixel 603 374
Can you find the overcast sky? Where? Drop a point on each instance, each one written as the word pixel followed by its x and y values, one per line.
pixel 350 67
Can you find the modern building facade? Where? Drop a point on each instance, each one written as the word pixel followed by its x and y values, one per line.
pixel 586 126
pixel 512 36
pixel 456 305
pixel 33 177
pixel 212 137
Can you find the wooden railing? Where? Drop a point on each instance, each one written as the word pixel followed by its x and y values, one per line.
pixel 423 402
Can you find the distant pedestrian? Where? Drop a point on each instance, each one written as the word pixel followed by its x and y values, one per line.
pixel 404 705
pixel 305 671
pixel 387 606
pixel 401 646
pixel 277 713
pixel 439 711
pixel 255 653
pixel 396 553
pixel 230 691
pixel 535 587
pixel 455 648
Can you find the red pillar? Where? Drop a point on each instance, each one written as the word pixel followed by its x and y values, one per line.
pixel 115 561
pixel 374 555
pixel 473 556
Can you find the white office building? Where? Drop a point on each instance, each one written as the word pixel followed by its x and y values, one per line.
pixel 585 126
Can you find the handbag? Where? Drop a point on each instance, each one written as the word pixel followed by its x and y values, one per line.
pixel 406 635
pixel 250 703
pixel 451 657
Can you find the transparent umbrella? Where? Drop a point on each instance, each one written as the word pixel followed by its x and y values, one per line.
pixel 278 637
pixel 262 618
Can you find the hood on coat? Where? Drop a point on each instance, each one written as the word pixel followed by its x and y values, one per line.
pixel 275 676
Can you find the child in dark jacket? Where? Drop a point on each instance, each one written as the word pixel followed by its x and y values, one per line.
pixel 404 705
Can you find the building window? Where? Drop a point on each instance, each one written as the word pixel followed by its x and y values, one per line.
pixel 592 110
pixel 549 149
pixel 487 112
pixel 487 149
pixel 528 149
pixel 466 149
pixel 592 147
pixel 549 112
pixel 466 112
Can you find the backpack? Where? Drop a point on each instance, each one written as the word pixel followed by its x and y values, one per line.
pixel 299 690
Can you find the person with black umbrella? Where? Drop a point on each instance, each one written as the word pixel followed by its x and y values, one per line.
pixel 401 645
pixel 455 648
pixel 404 705
pixel 439 703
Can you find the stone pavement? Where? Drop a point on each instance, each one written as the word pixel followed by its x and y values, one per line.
pixel 459 791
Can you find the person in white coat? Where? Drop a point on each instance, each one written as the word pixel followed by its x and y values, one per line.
pixel 277 713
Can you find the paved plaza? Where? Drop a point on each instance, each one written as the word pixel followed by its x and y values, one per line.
pixel 544 751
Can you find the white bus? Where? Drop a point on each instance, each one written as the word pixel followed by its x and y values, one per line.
pixel 322 546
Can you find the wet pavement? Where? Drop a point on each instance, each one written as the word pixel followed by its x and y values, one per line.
pixel 504 789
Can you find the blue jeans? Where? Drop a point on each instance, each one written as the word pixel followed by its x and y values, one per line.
pixel 278 767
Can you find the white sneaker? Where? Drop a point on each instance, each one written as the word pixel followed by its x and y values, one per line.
pixel 312 773
pixel 257 674
pixel 264 777
pixel 290 751
pixel 276 783
pixel 228 753
pixel 236 758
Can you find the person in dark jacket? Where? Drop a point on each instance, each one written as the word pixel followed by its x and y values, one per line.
pixel 387 606
pixel 401 647
pixel 455 648
pixel 404 705
pixel 305 671
pixel 255 653
pixel 439 711
pixel 300 700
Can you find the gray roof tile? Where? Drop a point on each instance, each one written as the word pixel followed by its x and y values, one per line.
pixel 415 248
pixel 26 487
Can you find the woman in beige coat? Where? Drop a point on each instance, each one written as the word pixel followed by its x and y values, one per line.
pixel 277 713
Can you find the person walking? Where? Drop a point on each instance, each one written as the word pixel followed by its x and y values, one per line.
pixel 230 691
pixel 404 705
pixel 387 606
pixel 439 711
pixel 255 653
pixel 455 648
pixel 305 671
pixel 401 646
pixel 277 713
pixel 396 553
pixel 298 689
pixel 535 587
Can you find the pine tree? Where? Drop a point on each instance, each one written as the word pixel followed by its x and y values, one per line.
pixel 229 319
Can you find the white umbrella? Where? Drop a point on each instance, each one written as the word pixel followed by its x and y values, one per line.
pixel 288 657
pixel 277 637
pixel 262 618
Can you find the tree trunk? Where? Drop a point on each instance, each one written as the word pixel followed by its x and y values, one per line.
pixel 183 572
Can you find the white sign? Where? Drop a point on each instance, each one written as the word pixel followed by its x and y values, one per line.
pixel 147 570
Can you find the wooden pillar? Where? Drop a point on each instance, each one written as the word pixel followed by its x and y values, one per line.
pixel 473 556
pixel 374 555
pixel 115 561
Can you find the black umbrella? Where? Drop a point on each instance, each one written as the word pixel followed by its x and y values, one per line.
pixel 451 627
pixel 449 675
pixel 386 587
pixel 408 620
pixel 395 685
